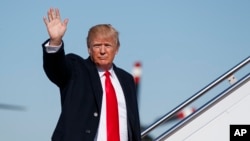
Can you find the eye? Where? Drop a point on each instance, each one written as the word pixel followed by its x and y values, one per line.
pixel 108 45
pixel 97 45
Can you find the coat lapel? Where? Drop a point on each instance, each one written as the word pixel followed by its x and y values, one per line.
pixel 127 94
pixel 95 82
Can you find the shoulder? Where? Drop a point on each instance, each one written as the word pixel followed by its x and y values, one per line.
pixel 74 57
pixel 121 72
pixel 75 62
pixel 78 62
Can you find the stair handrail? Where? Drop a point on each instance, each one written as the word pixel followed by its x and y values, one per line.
pixel 199 111
pixel 195 96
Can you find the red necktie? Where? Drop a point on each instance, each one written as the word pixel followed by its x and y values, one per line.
pixel 111 110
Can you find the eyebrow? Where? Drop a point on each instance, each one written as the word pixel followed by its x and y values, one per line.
pixel 98 44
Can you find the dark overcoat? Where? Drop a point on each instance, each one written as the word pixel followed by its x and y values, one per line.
pixel 81 96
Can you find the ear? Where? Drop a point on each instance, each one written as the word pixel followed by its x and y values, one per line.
pixel 117 50
pixel 89 51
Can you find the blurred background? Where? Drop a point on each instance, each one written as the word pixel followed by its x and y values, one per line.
pixel 181 45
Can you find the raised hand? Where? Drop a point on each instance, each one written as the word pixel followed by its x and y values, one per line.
pixel 55 27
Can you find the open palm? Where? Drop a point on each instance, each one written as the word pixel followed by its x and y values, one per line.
pixel 55 27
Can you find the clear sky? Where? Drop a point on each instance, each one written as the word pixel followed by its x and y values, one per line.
pixel 183 46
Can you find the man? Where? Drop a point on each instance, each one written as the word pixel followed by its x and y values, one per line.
pixel 84 89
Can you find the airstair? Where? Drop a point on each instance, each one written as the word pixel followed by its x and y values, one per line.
pixel 212 120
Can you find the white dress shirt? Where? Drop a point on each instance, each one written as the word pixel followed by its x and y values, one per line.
pixel 122 111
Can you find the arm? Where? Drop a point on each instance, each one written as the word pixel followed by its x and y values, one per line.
pixel 54 63
pixel 56 66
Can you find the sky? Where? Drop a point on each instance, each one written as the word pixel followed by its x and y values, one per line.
pixel 182 45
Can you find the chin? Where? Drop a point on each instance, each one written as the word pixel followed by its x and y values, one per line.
pixel 104 66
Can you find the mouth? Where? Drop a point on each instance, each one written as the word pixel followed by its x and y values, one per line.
pixel 102 58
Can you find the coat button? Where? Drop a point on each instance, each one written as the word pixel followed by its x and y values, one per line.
pixel 87 131
pixel 95 114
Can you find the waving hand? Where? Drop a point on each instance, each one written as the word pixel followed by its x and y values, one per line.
pixel 55 27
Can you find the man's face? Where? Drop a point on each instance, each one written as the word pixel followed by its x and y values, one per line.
pixel 102 52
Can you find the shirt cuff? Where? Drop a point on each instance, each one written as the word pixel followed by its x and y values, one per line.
pixel 52 49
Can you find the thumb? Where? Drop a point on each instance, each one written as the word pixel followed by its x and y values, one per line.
pixel 65 22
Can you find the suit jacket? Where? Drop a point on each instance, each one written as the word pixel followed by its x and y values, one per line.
pixel 81 96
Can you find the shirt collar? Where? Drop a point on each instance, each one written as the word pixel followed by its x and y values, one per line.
pixel 101 72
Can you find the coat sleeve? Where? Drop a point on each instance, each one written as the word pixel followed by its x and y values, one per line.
pixel 56 66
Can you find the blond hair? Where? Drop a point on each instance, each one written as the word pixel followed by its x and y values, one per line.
pixel 103 31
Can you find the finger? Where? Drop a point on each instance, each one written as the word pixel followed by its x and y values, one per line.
pixel 53 13
pixel 50 15
pixel 57 14
pixel 45 20
pixel 65 22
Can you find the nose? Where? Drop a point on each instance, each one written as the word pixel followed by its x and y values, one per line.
pixel 102 49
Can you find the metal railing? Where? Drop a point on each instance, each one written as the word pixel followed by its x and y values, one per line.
pixel 203 108
pixel 195 96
